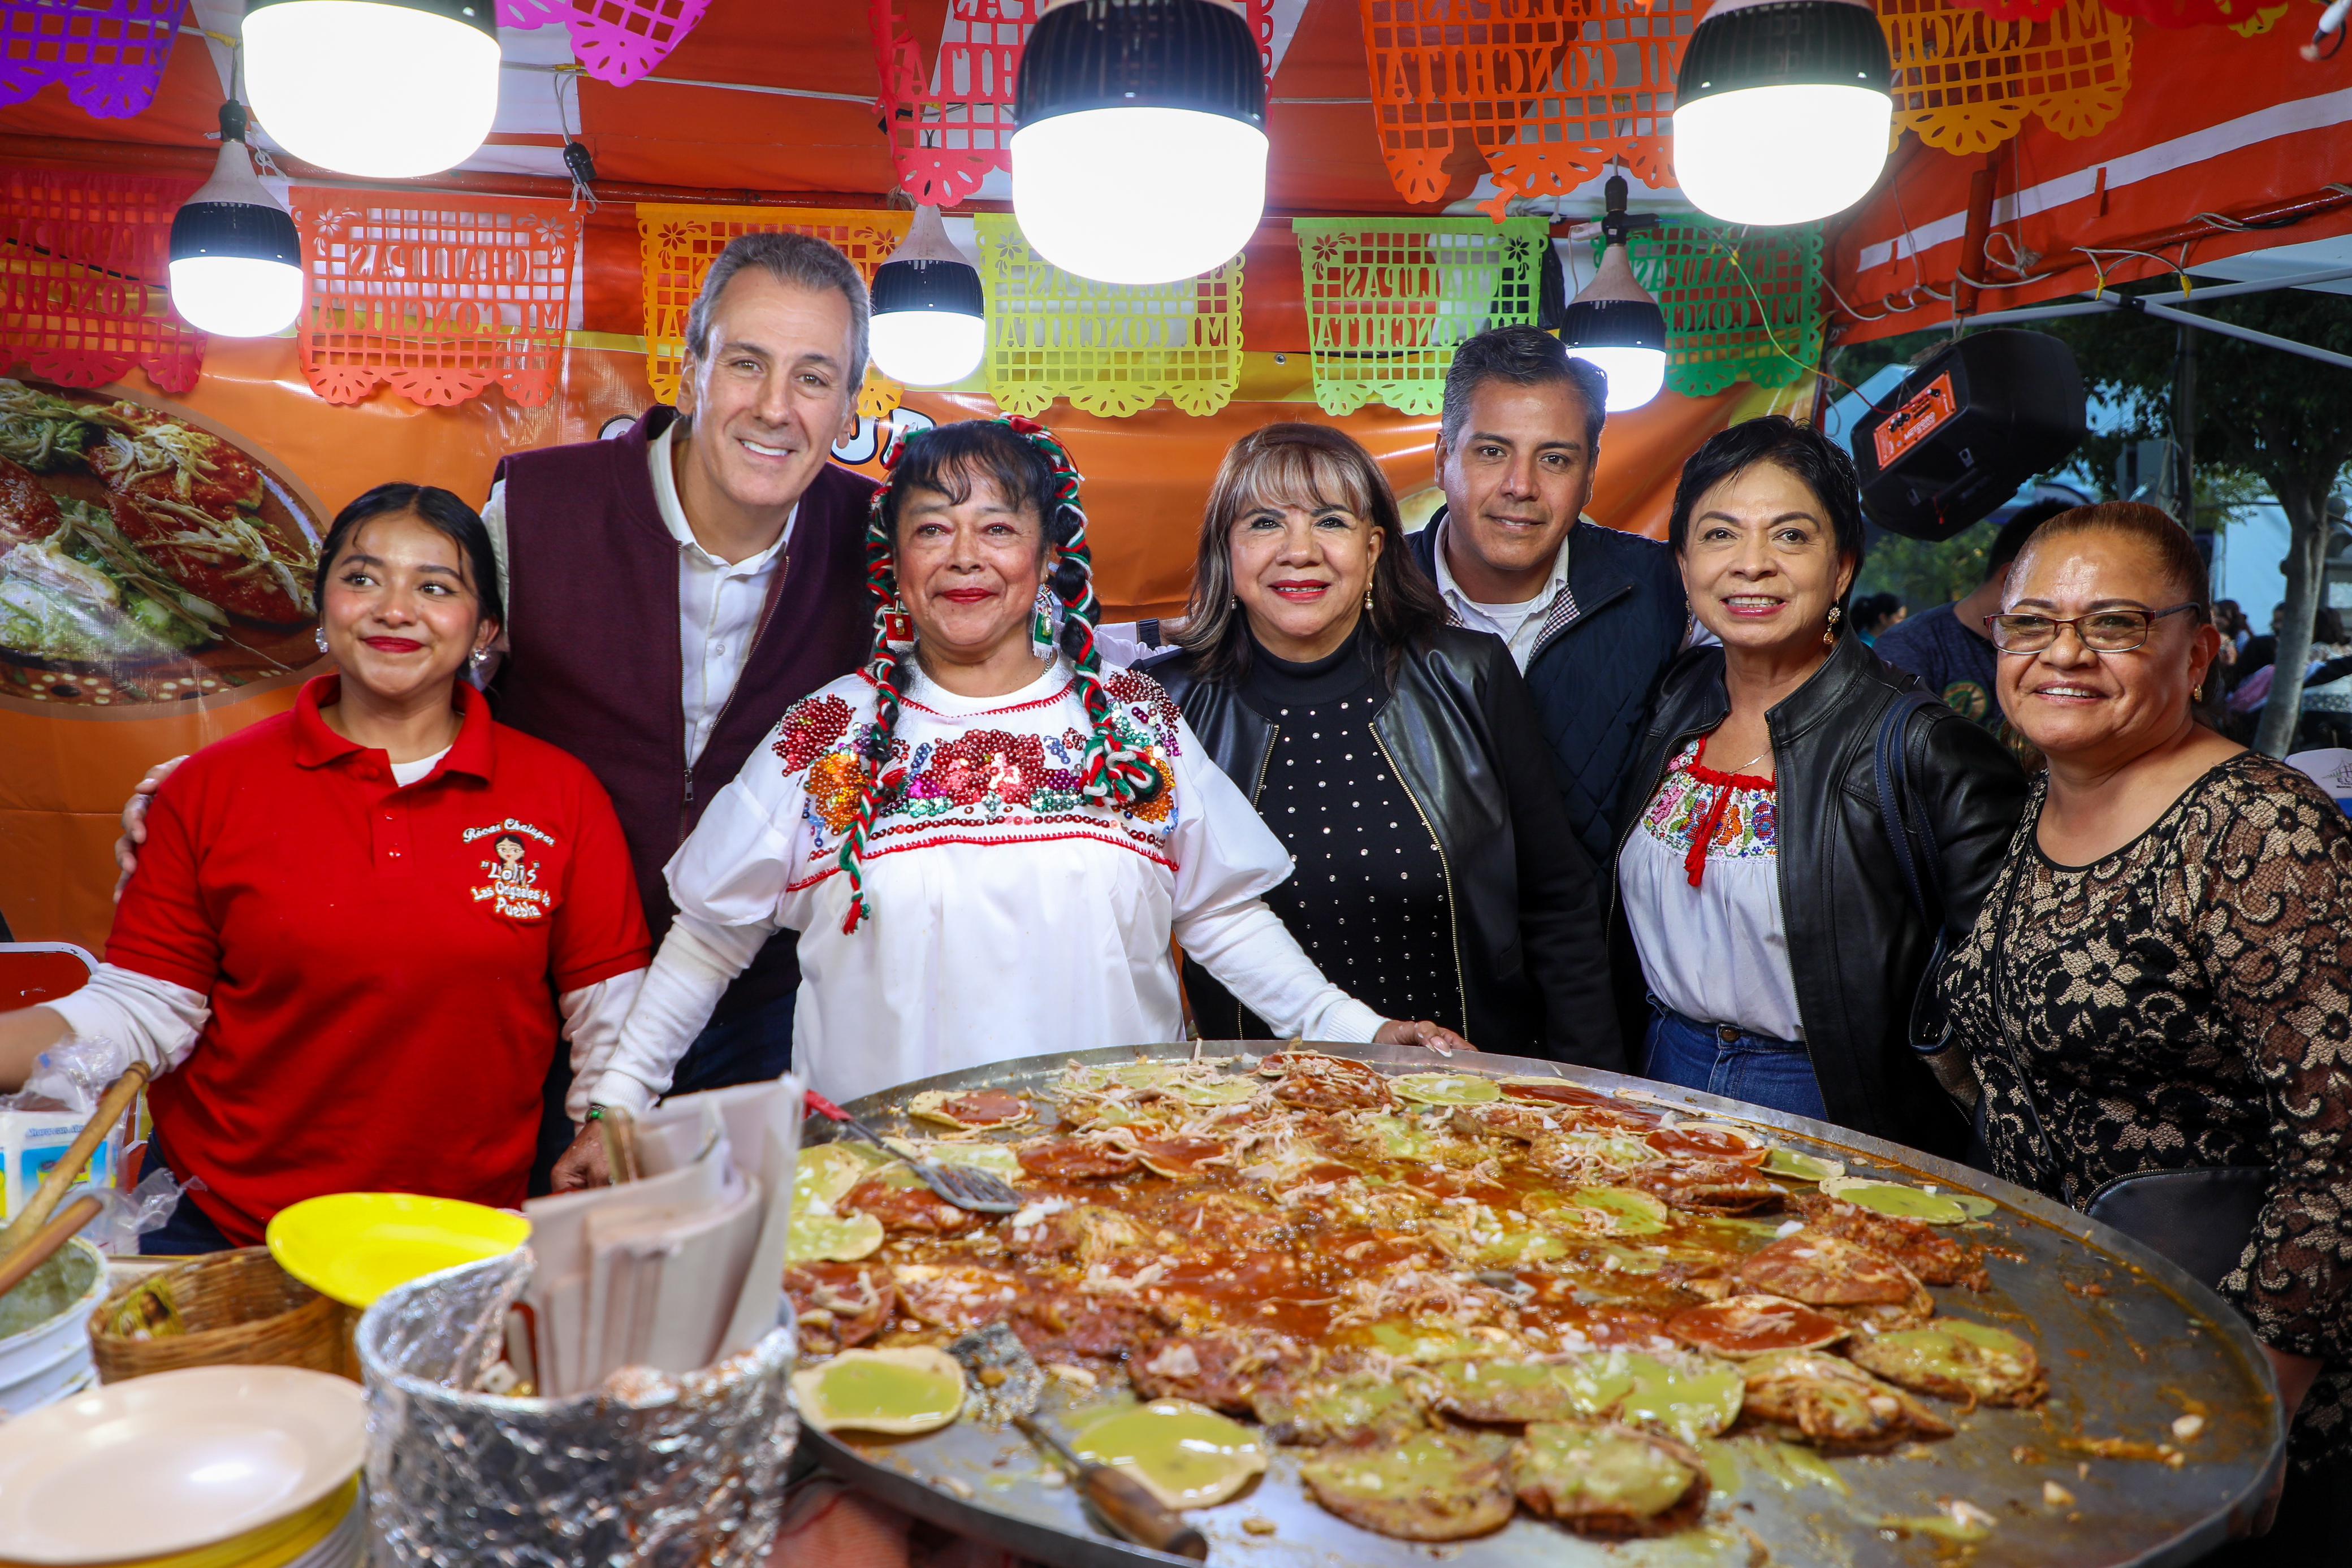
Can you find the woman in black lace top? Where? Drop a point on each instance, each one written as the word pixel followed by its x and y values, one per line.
pixel 2162 975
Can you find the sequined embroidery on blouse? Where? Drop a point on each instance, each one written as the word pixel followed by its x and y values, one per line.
pixel 1004 783
pixel 1678 813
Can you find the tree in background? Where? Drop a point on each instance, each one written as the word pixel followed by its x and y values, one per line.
pixel 2274 416
pixel 1922 574
pixel 2264 416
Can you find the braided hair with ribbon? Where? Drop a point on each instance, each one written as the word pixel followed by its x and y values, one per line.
pixel 1023 458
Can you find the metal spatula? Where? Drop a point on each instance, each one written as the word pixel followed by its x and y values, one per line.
pixel 1005 1382
pixel 962 1186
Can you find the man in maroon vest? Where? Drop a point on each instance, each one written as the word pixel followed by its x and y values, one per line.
pixel 674 590
pixel 670 593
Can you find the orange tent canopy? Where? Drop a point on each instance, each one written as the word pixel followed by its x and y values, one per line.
pixel 2225 145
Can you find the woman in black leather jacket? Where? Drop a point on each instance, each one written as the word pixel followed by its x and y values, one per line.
pixel 1398 759
pixel 1763 905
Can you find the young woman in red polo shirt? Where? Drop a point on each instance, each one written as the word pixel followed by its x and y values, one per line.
pixel 360 931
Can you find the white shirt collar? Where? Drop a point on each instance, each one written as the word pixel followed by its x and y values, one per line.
pixel 673 510
pixel 1456 599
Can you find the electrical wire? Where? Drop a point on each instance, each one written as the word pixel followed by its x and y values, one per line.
pixel 2015 250
pixel 1905 301
pixel 2331 26
pixel 1992 282
pixel 1847 306
pixel 1764 319
pixel 1918 273
pixel 577 161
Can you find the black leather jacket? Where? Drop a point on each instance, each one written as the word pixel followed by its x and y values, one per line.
pixel 1857 945
pixel 1463 736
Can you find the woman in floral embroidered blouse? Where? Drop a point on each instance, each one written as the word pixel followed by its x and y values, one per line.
pixel 2163 976
pixel 1778 946
pixel 986 845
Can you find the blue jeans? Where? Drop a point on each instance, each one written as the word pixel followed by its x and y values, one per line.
pixel 750 1047
pixel 190 1230
pixel 1719 1059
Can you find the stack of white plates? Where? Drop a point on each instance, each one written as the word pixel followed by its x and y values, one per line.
pixel 45 1361
pixel 213 1466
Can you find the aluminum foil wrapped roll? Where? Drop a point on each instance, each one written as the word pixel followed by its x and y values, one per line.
pixel 654 1468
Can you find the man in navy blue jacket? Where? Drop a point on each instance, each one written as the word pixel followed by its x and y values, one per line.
pixel 1592 615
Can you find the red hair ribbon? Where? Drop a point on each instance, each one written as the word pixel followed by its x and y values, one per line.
pixel 1711 823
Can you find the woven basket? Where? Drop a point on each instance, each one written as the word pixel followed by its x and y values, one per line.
pixel 239 1309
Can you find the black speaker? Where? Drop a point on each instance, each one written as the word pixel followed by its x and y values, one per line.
pixel 1968 427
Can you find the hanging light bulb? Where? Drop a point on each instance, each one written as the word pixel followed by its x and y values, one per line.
pixel 928 329
pixel 1142 152
pixel 237 262
pixel 383 89
pixel 1781 110
pixel 1614 322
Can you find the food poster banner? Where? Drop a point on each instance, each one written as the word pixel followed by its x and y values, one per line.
pixel 156 551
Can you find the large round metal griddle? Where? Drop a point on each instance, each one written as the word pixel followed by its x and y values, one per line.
pixel 2130 1341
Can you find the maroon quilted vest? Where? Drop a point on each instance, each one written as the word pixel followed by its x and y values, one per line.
pixel 593 663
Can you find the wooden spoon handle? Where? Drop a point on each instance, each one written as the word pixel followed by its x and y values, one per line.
pixel 619 1130
pixel 24 1260
pixel 1135 1514
pixel 61 1176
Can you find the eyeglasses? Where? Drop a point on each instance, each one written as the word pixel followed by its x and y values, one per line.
pixel 2102 630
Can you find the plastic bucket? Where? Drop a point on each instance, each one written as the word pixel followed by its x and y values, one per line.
pixel 44 1363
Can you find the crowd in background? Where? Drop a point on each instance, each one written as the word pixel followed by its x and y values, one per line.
pixel 2250 663
pixel 1997 880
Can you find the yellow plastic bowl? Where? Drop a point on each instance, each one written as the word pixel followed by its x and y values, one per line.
pixel 273 1545
pixel 355 1246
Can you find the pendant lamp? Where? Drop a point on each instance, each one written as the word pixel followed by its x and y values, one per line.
pixel 1140 156
pixel 1614 322
pixel 928 329
pixel 1782 110
pixel 381 88
pixel 237 262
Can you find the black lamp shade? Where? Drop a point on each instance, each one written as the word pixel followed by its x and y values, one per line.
pixel 1614 324
pixel 950 286
pixel 244 230
pixel 1141 54
pixel 1784 43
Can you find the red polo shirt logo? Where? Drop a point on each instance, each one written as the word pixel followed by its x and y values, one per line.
pixel 512 888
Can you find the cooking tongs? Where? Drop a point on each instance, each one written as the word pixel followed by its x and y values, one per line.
pixel 962 1186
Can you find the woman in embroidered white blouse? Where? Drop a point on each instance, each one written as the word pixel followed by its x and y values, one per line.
pixel 988 847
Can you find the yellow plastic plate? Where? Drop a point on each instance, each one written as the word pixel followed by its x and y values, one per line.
pixel 355 1246
pixel 276 1545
